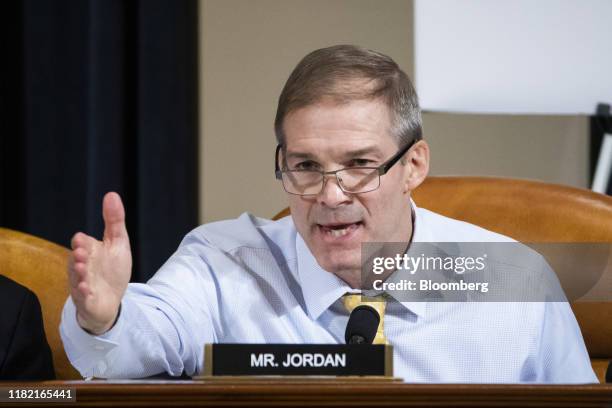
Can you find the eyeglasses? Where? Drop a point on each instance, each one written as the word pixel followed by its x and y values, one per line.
pixel 353 180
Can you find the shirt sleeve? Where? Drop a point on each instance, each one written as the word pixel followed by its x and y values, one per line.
pixel 162 326
pixel 563 357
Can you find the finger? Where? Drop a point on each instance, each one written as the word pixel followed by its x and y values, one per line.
pixel 79 295
pixel 114 217
pixel 72 276
pixel 76 240
pixel 84 290
pixel 77 272
pixel 80 240
pixel 80 270
pixel 80 255
pixel 77 298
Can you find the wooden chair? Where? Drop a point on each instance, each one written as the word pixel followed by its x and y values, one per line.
pixel 531 211
pixel 40 266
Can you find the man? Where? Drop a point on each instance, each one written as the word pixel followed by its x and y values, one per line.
pixel 350 153
pixel 24 352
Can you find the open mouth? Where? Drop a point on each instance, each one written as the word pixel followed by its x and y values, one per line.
pixel 339 230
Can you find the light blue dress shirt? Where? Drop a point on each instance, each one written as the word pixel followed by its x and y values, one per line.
pixel 250 280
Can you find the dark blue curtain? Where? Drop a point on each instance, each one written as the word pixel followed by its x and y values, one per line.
pixel 100 95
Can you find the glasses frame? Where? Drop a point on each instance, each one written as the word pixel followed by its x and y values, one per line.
pixel 382 170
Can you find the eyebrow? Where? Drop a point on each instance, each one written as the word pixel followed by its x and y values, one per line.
pixel 348 155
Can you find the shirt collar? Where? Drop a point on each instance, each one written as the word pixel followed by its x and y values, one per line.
pixel 321 288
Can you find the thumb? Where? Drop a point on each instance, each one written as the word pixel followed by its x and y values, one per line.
pixel 114 217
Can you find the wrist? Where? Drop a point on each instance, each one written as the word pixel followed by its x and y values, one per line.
pixel 97 329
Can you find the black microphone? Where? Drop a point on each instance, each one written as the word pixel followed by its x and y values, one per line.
pixel 362 325
pixel 609 373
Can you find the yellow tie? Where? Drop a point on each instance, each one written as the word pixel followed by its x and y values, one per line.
pixel 351 301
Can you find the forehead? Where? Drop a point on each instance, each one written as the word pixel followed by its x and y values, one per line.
pixel 329 127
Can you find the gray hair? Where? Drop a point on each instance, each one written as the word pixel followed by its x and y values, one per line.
pixel 347 72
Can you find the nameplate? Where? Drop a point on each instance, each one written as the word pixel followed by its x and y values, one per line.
pixel 298 359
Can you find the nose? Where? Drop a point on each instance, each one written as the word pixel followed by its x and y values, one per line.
pixel 332 195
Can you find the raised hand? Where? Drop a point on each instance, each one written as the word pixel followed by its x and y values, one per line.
pixel 99 271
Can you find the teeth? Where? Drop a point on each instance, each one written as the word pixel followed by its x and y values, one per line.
pixel 339 232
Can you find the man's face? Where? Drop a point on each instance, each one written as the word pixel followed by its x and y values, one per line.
pixel 331 136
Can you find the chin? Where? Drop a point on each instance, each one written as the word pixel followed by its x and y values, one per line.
pixel 337 263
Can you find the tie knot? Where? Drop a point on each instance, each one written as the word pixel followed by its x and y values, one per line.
pixel 378 303
pixel 351 301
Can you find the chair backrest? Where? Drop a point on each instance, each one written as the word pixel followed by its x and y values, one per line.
pixel 40 265
pixel 528 211
pixel 531 211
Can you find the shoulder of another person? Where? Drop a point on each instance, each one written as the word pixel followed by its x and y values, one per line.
pixel 12 293
pixel 14 300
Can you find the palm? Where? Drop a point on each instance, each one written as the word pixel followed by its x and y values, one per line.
pixel 100 270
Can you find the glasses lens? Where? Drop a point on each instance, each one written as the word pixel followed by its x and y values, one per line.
pixel 302 182
pixel 359 180
pixel 353 180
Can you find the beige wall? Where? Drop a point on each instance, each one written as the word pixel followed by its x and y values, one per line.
pixel 248 48
pixel 548 148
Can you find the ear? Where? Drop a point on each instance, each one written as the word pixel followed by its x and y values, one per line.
pixel 417 166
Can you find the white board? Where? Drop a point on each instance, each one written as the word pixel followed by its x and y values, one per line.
pixel 513 56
